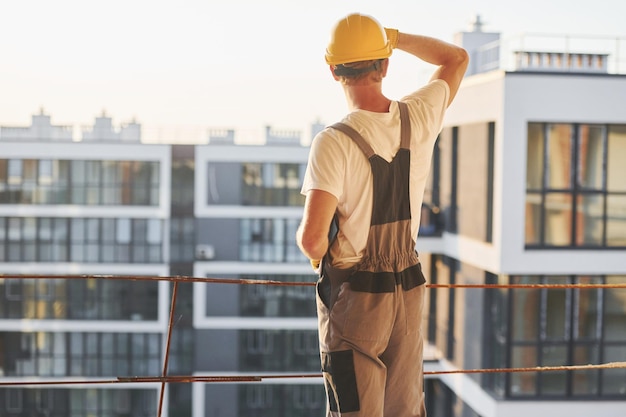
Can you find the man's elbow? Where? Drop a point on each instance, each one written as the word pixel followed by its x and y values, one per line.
pixel 313 246
pixel 460 58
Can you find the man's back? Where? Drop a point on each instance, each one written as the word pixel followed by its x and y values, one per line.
pixel 339 167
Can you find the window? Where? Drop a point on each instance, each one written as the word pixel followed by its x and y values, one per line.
pixel 78 299
pixel 29 236
pixel 13 400
pixel 278 350
pixel 77 402
pixel 29 239
pixel 474 158
pixel 113 354
pixel 46 181
pixel 258 397
pixel 182 184
pixel 267 301
pixel 269 240
pixel 45 175
pixel 3 240
pixel 147 240
pixel 253 400
pixel 182 239
pixel 557 327
pixel 442 330
pixel 575 191
pixel 447 165
pixel 257 184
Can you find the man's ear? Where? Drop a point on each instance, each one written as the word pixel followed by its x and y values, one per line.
pixel 385 66
pixel 332 71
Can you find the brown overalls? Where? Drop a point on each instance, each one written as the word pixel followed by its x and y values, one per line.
pixel 370 315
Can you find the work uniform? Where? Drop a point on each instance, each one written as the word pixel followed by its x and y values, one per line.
pixel 370 311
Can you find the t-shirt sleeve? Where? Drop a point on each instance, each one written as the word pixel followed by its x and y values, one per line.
pixel 432 103
pixel 326 166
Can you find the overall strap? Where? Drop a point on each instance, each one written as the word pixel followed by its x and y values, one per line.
pixel 405 132
pixel 405 125
pixel 356 137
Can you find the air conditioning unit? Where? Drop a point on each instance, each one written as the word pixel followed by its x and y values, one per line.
pixel 205 252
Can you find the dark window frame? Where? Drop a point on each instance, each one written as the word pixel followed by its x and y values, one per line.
pixel 575 191
pixel 541 341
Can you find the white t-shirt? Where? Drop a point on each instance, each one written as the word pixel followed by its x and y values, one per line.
pixel 337 165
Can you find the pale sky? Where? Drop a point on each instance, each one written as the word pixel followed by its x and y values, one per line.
pixel 233 63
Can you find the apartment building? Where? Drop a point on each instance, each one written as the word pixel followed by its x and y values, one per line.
pixel 529 178
pixel 526 188
pixel 101 202
pixel 95 206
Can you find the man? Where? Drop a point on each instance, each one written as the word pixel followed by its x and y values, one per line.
pixel 368 173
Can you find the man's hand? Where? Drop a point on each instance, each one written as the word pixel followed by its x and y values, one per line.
pixel 315 264
pixel 392 37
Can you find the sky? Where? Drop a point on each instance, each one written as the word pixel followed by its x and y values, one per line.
pixel 243 64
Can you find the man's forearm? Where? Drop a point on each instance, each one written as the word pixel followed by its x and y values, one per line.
pixel 431 50
pixel 312 248
pixel 451 60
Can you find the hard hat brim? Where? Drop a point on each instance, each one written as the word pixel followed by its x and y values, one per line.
pixel 334 59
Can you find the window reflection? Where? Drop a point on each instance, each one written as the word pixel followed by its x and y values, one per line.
pixel 558 218
pixel 590 156
pixel 616 155
pixel 559 154
pixel 78 402
pixel 616 220
pixel 46 181
pixel 260 184
pixel 78 299
pixel 563 327
pixel 575 186
pixel 590 209
pixel 278 350
pixel 29 239
pixel 269 240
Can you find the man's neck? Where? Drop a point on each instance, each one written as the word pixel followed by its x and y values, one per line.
pixel 366 97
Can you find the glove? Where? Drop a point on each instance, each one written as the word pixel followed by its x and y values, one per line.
pixel 392 37
pixel 315 264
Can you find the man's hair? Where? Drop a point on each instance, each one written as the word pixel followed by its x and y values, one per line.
pixel 354 72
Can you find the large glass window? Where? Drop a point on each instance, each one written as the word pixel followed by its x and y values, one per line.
pixel 3 239
pixel 61 402
pixel 558 327
pixel 183 179
pixel 276 400
pixel 269 240
pixel 278 350
pixel 263 300
pixel 29 239
pixel 81 354
pixel 182 239
pixel 45 181
pixel 90 299
pixel 575 186
pixel 474 175
pixel 257 184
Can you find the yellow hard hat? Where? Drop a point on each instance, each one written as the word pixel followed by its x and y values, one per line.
pixel 357 37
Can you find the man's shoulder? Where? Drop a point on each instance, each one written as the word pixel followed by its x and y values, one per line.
pixel 434 89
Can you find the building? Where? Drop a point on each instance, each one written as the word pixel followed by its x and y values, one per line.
pixel 88 207
pixel 528 177
pixel 107 204
pixel 526 187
